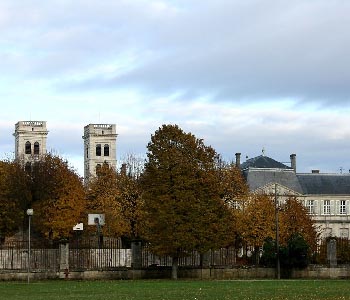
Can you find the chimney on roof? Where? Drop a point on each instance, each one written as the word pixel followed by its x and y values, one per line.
pixel 238 160
pixel 315 171
pixel 293 162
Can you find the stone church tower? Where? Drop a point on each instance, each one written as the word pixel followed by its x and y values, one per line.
pixel 30 140
pixel 99 148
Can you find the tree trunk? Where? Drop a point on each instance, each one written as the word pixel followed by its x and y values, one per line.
pixel 174 268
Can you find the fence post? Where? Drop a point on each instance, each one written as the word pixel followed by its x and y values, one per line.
pixel 64 259
pixel 205 260
pixel 332 252
pixel 136 255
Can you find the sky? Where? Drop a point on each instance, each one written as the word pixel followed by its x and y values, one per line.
pixel 241 75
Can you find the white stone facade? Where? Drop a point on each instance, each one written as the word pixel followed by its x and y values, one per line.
pixel 30 140
pixel 330 212
pixel 99 147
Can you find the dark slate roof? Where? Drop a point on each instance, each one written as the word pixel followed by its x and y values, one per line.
pixel 257 178
pixel 326 184
pixel 263 162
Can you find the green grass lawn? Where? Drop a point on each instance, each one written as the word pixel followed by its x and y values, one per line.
pixel 195 290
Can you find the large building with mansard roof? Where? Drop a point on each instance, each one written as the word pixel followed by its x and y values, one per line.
pixel 326 196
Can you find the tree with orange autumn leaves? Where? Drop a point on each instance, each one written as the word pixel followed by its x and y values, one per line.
pixel 294 219
pixel 182 208
pixel 14 198
pixel 50 187
pixel 129 194
pixel 259 221
pixel 102 193
pixel 58 197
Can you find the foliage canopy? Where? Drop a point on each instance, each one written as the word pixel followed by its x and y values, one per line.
pixel 182 207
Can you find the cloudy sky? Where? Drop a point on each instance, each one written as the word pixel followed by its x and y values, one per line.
pixel 242 75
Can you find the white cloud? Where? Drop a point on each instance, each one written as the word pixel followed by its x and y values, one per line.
pixel 241 74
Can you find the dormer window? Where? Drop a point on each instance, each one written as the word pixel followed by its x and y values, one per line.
pixel 28 148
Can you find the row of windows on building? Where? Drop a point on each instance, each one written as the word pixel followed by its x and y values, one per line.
pixel 28 148
pixel 99 150
pixel 327 207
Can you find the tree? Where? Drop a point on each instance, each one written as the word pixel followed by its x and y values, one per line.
pixel 13 198
pixel 235 192
pixel 295 220
pixel 129 193
pixel 182 206
pixel 259 221
pixel 297 237
pixel 58 197
pixel 102 195
pixel 294 254
pixel 233 187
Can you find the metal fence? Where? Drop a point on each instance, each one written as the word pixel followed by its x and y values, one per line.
pixel 91 254
pixel 214 258
pixel 14 256
pixel 94 254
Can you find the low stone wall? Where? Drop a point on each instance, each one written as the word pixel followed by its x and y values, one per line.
pixel 312 272
pixel 321 272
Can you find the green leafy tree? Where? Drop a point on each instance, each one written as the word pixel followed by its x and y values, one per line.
pixel 182 206
pixel 294 254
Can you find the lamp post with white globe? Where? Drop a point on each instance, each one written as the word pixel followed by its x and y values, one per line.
pixel 30 213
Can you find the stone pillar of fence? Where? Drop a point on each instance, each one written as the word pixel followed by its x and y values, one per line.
pixel 205 260
pixel 64 260
pixel 136 252
pixel 332 252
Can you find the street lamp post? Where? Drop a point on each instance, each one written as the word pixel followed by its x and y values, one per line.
pixel 30 214
pixel 277 236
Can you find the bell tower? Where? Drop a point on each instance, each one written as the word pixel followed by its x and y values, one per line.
pixel 99 148
pixel 30 140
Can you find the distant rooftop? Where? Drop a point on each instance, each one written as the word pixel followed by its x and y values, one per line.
pixel 263 161
pixel 262 170
pixel 325 184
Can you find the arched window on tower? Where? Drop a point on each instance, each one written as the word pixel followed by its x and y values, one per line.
pixel 98 150
pixel 36 148
pixel 98 169
pixel 106 150
pixel 28 148
pixel 28 167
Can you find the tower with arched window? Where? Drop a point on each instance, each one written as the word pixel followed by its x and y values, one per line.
pixel 30 140
pixel 99 147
